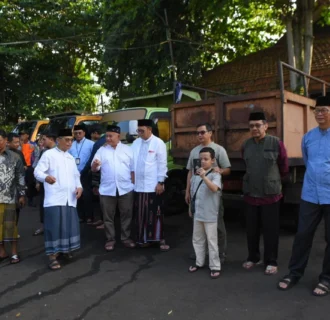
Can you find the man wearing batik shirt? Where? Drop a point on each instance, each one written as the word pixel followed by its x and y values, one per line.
pixel 11 184
pixel 150 168
pixel 266 164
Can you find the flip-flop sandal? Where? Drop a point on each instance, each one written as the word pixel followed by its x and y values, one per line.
pixel 54 265
pixel 15 259
pixel 195 268
pixel 129 244
pixel 110 246
pixel 289 281
pixel 38 232
pixel 247 265
pixel 145 245
pixel 97 223
pixel 271 270
pixel 324 288
pixel 164 247
pixel 101 226
pixel 215 274
pixel 3 258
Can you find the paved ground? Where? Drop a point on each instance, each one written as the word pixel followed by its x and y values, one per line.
pixel 147 284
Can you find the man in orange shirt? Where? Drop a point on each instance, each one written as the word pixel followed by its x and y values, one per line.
pixel 30 151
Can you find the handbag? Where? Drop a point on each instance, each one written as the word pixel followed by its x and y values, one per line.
pixel 193 199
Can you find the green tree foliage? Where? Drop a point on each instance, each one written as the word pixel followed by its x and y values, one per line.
pixel 55 45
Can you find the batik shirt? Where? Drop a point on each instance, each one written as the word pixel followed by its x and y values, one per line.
pixel 11 177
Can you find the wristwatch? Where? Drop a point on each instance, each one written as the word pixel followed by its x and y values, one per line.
pixel 161 183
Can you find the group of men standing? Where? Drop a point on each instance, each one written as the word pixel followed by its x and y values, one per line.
pixel 132 180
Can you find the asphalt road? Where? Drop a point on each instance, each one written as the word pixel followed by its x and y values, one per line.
pixel 147 284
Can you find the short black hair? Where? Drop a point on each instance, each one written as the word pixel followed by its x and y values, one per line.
pixel 11 136
pixel 49 134
pixel 207 126
pixel 96 128
pixel 3 133
pixel 210 150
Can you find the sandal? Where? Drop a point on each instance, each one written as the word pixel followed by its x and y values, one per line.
pixel 290 281
pixel 97 223
pixel 65 256
pixel 194 268
pixel 215 274
pixel 54 265
pixel 101 226
pixel 15 259
pixel 129 243
pixel 247 265
pixel 38 232
pixel 110 246
pixel 323 287
pixel 271 270
pixel 164 247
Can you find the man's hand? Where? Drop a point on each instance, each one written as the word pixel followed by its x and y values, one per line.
pixel 187 197
pixel 190 214
pixel 159 189
pixel 21 201
pixel 218 170
pixel 78 192
pixel 38 187
pixel 96 191
pixel 96 163
pixel 50 179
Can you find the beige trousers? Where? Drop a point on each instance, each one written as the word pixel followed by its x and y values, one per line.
pixel 206 231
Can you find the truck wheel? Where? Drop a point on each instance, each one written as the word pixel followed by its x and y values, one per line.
pixel 174 202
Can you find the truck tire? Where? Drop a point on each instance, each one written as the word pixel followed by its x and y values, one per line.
pixel 174 201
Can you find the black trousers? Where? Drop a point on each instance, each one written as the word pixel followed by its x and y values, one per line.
pixel 30 183
pixel 265 218
pixel 85 202
pixel 310 216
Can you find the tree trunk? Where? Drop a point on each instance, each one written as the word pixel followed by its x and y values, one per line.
pixel 308 37
pixel 291 53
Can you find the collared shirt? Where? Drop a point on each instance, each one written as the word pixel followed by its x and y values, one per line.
pixel 316 153
pixel 150 163
pixel 116 168
pixel 61 165
pixel 11 177
pixel 82 151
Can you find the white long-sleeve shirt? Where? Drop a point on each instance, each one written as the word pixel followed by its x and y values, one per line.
pixel 116 168
pixel 61 165
pixel 150 163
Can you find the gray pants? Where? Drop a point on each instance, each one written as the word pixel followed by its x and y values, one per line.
pixel 222 233
pixel 125 206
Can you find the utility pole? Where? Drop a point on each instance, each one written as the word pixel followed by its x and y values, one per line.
pixel 172 66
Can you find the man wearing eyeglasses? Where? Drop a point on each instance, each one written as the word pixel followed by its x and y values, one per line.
pixel 266 164
pixel 222 166
pixel 58 172
pixel 315 201
pixel 81 150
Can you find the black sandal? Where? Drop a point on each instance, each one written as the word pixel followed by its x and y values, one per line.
pixel 324 287
pixel 196 268
pixel 213 274
pixel 54 265
pixel 15 259
pixel 290 281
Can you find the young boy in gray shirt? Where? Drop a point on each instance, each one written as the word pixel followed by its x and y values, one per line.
pixel 204 207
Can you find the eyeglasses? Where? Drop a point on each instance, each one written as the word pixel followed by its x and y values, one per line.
pixel 322 111
pixel 201 133
pixel 257 125
pixel 140 130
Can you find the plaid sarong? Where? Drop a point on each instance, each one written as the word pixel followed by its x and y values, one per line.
pixel 8 226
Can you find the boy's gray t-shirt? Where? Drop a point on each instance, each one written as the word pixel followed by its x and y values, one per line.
pixel 221 156
pixel 207 202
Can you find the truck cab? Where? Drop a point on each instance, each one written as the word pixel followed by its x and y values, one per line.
pixel 33 127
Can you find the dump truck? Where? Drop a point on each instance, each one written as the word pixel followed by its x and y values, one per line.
pixel 289 117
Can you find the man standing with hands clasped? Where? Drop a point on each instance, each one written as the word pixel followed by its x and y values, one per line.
pixel 266 164
pixel 115 160
pixel 315 201
pixel 58 171
pixel 150 168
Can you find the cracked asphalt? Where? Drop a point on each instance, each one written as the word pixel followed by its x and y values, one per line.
pixel 147 284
